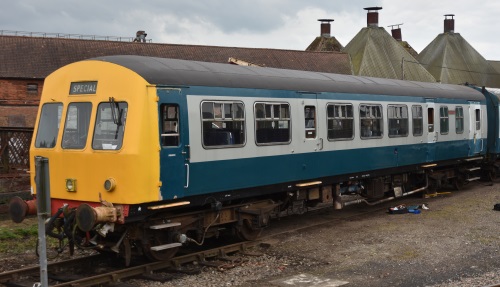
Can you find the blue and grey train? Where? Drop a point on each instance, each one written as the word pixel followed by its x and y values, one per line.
pixel 150 154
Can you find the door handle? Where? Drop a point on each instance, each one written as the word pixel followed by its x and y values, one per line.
pixel 320 144
pixel 187 175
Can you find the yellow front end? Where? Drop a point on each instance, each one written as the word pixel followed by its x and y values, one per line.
pixel 123 175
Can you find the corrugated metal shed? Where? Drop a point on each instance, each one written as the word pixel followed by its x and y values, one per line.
pixel 452 60
pixel 494 79
pixel 375 53
pixel 36 57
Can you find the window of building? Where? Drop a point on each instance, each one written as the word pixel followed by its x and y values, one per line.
pixel 32 88
pixel 459 120
pixel 340 121
pixel 272 123
pixel 223 124
pixel 371 121
pixel 310 121
pixel 76 127
pixel 110 125
pixel 397 116
pixel 170 125
pixel 417 120
pixel 444 123
pixel 48 126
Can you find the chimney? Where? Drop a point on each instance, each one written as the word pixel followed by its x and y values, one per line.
pixel 396 32
pixel 449 24
pixel 140 37
pixel 325 27
pixel 372 16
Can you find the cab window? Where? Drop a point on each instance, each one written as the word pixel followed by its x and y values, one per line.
pixel 76 127
pixel 48 126
pixel 110 125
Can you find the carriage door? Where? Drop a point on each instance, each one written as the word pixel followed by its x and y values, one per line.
pixel 432 133
pixel 311 132
pixel 174 141
pixel 475 135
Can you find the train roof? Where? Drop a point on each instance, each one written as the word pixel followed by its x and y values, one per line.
pixel 174 72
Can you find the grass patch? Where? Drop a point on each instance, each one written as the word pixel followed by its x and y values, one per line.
pixel 18 239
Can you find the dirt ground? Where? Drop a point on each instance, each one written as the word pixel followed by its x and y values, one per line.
pixel 456 242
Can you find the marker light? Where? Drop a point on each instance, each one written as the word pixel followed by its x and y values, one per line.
pixel 71 184
pixel 109 184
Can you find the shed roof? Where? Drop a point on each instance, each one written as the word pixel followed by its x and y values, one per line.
pixel 375 53
pixel 36 57
pixel 325 44
pixel 452 60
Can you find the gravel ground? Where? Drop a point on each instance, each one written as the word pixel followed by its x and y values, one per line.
pixel 454 243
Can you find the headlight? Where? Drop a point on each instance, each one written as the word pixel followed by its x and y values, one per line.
pixel 71 184
pixel 109 184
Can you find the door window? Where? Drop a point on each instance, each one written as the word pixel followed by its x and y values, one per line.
pixel 170 125
pixel 310 121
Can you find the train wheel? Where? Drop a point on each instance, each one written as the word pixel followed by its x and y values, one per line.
pixel 126 251
pixel 491 175
pixel 160 255
pixel 458 183
pixel 246 232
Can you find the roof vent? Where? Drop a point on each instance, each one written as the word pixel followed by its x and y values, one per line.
pixel 325 27
pixel 372 16
pixel 449 23
pixel 140 37
pixel 396 32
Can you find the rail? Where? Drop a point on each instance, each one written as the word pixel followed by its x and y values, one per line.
pixel 67 36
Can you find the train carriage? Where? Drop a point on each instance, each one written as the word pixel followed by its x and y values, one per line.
pixel 169 151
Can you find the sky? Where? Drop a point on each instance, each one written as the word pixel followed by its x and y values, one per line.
pixel 279 24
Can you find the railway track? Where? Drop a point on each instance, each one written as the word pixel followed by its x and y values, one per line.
pixel 64 273
pixel 59 275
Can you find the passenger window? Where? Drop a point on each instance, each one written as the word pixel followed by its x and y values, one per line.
pixel 170 125
pixel 478 119
pixel 459 120
pixel 340 121
pixel 48 126
pixel 371 121
pixel 223 124
pixel 444 124
pixel 417 120
pixel 76 128
pixel 272 123
pixel 110 125
pixel 397 116
pixel 310 121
